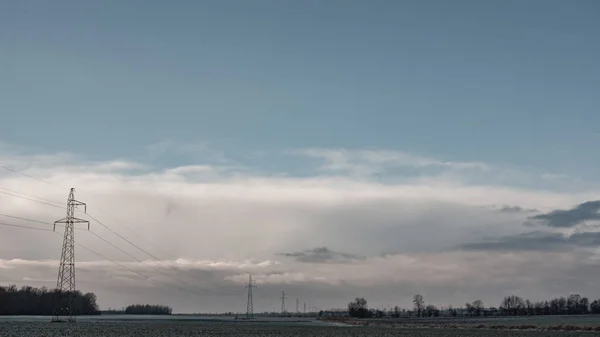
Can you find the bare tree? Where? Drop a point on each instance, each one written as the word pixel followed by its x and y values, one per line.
pixel 358 308
pixel 477 306
pixel 419 304
pixel 469 308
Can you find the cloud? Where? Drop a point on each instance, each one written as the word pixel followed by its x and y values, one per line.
pixel 367 162
pixel 516 209
pixel 538 241
pixel 523 242
pixel 211 223
pixel 587 211
pixel 322 255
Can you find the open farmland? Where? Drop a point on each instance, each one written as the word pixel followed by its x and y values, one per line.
pixel 571 322
pixel 222 329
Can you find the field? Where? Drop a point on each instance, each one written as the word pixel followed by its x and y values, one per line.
pixel 158 328
pixel 573 322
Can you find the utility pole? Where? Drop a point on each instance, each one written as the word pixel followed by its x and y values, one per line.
pixel 249 309
pixel 305 307
pixel 283 298
pixel 65 285
pixel 297 304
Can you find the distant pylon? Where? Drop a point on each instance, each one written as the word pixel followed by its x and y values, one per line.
pixel 283 298
pixel 305 307
pixel 249 309
pixel 297 304
pixel 65 285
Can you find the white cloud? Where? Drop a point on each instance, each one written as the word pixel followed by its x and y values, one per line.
pixel 214 225
pixel 368 162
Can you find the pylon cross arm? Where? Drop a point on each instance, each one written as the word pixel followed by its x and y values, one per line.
pixel 79 203
pixel 72 220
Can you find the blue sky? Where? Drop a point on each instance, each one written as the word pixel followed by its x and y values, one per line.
pixel 509 82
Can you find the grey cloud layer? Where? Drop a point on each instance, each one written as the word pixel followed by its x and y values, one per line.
pixel 516 209
pixel 237 220
pixel 587 211
pixel 586 235
pixel 538 240
pixel 322 255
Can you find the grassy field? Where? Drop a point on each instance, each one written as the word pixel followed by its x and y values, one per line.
pixel 188 329
pixel 583 322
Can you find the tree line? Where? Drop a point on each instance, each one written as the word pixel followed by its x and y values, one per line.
pixel 511 305
pixel 41 302
pixel 574 304
pixel 147 309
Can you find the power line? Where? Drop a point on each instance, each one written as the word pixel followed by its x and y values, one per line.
pixel 25 219
pixel 27 175
pixel 34 200
pixel 140 261
pixel 27 227
pixel 47 182
pixel 102 256
pixel 30 196
pixel 124 252
pixel 91 217
pixel 98 221
pixel 131 270
pixel 32 220
pixel 134 232
pixel 123 238
pixel 146 252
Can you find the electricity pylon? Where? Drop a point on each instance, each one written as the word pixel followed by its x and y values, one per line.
pixel 283 298
pixel 249 309
pixel 65 285
pixel 297 304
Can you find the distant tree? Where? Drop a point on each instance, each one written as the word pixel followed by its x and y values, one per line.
pixel 419 304
pixel 358 308
pixel 595 307
pixel 378 313
pixel 584 306
pixel 452 311
pixel 147 309
pixel 33 301
pixel 528 307
pixel 477 307
pixel 511 305
pixel 396 311
pixel 562 305
pixel 431 311
pixel 573 303
pixel 469 309
pixel 539 308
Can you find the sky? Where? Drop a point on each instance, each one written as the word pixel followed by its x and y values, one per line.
pixel 333 149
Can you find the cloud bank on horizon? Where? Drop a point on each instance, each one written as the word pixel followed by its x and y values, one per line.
pixel 343 223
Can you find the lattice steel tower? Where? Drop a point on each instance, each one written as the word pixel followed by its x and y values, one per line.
pixel 249 309
pixel 63 305
pixel 283 298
